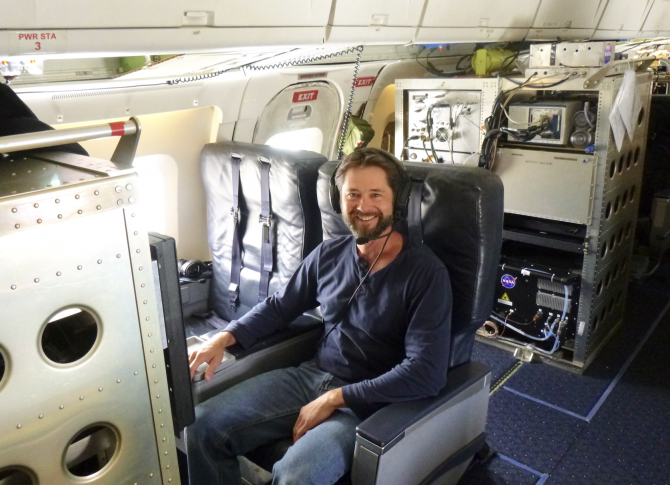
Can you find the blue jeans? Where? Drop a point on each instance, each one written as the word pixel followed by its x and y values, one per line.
pixel 264 409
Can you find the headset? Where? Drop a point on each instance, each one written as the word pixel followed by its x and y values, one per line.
pixel 191 268
pixel 400 197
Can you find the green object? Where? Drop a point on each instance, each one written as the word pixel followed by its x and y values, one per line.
pixel 359 134
pixel 133 63
pixel 486 61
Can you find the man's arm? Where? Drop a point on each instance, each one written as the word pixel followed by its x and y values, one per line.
pixel 272 314
pixel 210 352
pixel 423 372
pixel 281 308
pixel 317 411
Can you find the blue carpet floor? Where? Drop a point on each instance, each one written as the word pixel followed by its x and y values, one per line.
pixel 627 439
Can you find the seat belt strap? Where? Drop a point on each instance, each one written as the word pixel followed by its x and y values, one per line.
pixel 265 218
pixel 414 212
pixel 236 256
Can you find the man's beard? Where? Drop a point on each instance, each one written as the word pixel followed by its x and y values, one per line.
pixel 383 223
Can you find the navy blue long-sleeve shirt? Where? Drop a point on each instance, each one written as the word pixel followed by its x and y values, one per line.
pixel 393 341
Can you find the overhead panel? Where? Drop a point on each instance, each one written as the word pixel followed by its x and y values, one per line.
pixel 259 13
pixel 374 21
pixel 622 19
pixel 657 22
pixel 116 42
pixel 566 19
pixel 81 14
pixel 478 20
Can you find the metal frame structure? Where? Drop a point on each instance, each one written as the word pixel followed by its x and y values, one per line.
pixel 73 236
pixel 611 227
pixel 614 197
pixel 489 87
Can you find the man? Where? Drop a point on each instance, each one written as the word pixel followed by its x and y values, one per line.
pixel 386 304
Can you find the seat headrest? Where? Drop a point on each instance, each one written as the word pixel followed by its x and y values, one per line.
pixel 296 218
pixel 461 220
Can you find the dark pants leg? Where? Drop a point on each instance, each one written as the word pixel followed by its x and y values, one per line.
pixel 258 411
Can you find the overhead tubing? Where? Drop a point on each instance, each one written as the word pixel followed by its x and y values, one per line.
pixel 294 63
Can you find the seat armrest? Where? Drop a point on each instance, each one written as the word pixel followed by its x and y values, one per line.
pixel 299 326
pixel 389 423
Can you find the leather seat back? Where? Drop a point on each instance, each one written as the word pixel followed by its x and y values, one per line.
pixel 296 218
pixel 461 222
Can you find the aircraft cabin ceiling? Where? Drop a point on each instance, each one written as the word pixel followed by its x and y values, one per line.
pixel 81 28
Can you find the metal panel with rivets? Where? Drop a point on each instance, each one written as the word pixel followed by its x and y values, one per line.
pixel 72 240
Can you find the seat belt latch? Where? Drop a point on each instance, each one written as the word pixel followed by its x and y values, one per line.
pixel 267 223
pixel 235 213
pixel 234 292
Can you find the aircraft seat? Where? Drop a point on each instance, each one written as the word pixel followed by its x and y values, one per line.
pixel 278 225
pixel 457 212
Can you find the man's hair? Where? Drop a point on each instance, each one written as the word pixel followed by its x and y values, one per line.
pixel 371 157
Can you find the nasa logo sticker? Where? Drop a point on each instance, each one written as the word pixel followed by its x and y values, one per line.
pixel 608 52
pixel 508 281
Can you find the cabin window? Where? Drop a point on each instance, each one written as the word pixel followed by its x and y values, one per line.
pixel 306 139
pixel 69 335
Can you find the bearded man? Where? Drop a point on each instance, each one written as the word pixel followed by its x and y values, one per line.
pixel 386 306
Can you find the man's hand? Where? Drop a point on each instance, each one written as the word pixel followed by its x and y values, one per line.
pixel 211 353
pixel 317 412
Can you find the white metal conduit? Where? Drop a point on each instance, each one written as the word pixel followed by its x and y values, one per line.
pixel 41 139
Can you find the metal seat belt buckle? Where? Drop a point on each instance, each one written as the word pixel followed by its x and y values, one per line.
pixel 233 290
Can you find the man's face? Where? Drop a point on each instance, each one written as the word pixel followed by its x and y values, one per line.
pixel 367 201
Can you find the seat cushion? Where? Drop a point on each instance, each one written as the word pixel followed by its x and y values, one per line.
pixel 296 217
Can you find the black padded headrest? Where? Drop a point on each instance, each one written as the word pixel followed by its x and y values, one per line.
pixel 462 217
pixel 296 217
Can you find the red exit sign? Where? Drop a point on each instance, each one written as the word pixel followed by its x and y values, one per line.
pixel 362 82
pixel 302 96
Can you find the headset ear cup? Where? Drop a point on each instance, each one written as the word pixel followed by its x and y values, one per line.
pixel 334 193
pixel 403 196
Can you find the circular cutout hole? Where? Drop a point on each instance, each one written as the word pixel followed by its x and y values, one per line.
pixel 2 368
pixel 69 335
pixel 629 160
pixel 612 242
pixel 632 193
pixel 616 203
pixel 637 156
pixel 599 288
pixel 624 198
pixel 603 314
pixel 640 117
pixel 616 272
pixel 603 251
pixel 91 450
pixel 619 236
pixel 608 278
pixel 612 168
pixel 608 210
pixel 16 476
pixel 621 162
pixel 628 228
